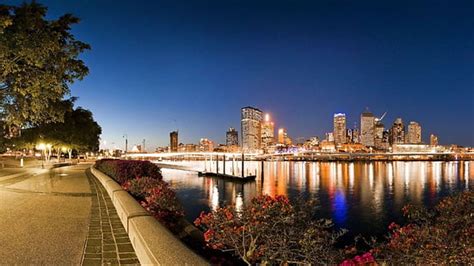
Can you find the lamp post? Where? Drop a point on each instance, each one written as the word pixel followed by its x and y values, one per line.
pixel 126 143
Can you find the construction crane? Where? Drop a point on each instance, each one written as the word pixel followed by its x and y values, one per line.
pixel 377 119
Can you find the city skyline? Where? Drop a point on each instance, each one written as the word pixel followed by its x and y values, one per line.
pixel 258 135
pixel 160 66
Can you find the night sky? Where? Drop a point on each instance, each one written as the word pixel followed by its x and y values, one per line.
pixel 156 66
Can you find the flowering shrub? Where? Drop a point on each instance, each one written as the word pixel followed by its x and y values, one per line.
pixel 143 180
pixel 442 236
pixel 364 259
pixel 140 187
pixel 271 230
pixel 123 170
pixel 156 197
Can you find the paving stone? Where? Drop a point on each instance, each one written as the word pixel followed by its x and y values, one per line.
pixel 110 262
pixel 93 249
pixel 119 231
pixel 94 242
pixel 109 248
pixel 122 240
pixel 108 241
pixel 125 247
pixel 109 255
pixel 93 256
pixel 87 262
pixel 127 255
pixel 129 261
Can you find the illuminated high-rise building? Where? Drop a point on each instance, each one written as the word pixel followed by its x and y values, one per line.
pixel 251 123
pixel 206 145
pixel 434 140
pixel 174 141
pixel 349 135
pixel 329 136
pixel 283 137
pixel 355 135
pixel 414 133
pixel 339 131
pixel 381 136
pixel 268 132
pixel 232 137
pixel 397 132
pixel 378 130
pixel 367 129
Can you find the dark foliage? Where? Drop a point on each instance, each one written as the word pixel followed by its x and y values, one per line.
pixel 124 170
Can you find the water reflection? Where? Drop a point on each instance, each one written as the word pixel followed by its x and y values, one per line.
pixel 362 197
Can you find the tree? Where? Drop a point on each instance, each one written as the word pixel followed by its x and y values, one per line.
pixel 78 131
pixel 39 59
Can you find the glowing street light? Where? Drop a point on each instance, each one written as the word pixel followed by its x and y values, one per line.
pixel 41 146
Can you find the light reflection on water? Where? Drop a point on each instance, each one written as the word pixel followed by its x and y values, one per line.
pixel 362 197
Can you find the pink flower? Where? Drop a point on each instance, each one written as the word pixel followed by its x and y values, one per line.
pixel 208 235
pixel 393 226
pixel 347 262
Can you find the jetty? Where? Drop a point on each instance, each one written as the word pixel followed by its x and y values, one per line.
pixel 216 166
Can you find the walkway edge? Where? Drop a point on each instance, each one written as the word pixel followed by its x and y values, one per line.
pixel 153 243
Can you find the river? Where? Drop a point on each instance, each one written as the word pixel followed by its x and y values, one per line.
pixel 363 197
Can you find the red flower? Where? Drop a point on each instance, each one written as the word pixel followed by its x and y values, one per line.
pixel 393 226
pixel 208 235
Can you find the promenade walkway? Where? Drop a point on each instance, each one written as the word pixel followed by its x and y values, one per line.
pixel 59 217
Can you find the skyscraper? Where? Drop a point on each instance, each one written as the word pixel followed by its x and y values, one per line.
pixel 414 133
pixel 378 130
pixel 268 132
pixel 174 141
pixel 397 132
pixel 329 136
pixel 367 129
pixel 251 123
pixel 283 137
pixel 339 128
pixel 232 137
pixel 433 140
pixel 349 135
pixel 355 135
pixel 206 145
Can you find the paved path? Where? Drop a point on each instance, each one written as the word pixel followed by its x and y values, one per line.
pixel 46 216
pixel 107 241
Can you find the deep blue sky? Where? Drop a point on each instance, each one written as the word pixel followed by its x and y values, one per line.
pixel 156 66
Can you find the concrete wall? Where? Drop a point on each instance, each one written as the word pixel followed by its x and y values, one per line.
pixel 153 243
